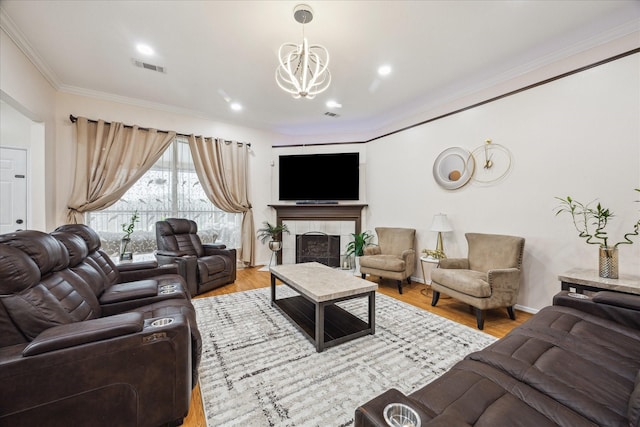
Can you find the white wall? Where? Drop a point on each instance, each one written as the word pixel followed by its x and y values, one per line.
pixel 32 105
pixel 577 136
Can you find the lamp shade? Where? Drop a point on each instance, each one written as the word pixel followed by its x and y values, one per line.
pixel 440 223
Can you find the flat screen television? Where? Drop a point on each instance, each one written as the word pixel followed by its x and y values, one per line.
pixel 319 177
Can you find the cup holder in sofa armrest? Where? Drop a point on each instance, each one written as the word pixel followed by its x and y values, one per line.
pixel 401 415
pixel 161 322
pixel 168 289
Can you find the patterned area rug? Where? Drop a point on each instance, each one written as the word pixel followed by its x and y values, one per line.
pixel 257 369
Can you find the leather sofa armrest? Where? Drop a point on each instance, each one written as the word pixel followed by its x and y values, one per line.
pixel 371 414
pixel 618 299
pixel 213 250
pixel 144 270
pixel 188 269
pixel 74 334
pixel 459 263
pixel 621 308
pixel 138 265
pixel 115 379
pixel 171 253
pixel 213 246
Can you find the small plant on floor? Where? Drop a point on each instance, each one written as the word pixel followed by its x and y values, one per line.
pixel 359 242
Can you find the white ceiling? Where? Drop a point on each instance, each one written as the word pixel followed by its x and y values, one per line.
pixel 437 49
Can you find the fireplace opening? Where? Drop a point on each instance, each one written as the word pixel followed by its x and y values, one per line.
pixel 318 247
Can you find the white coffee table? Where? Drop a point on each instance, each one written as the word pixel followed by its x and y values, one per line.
pixel 314 310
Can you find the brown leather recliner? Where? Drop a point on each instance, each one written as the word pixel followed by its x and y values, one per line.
pixel 76 348
pixel 204 266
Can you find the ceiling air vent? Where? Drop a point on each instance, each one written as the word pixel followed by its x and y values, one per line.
pixel 146 65
pixel 330 114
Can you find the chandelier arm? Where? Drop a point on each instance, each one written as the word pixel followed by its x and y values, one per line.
pixel 291 73
pixel 303 71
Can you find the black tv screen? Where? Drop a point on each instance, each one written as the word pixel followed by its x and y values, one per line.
pixel 319 177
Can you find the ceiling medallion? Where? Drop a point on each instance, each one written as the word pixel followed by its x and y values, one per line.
pixel 303 71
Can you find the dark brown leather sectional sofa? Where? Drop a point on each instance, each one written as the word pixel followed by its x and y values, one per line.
pixel 576 363
pixel 86 342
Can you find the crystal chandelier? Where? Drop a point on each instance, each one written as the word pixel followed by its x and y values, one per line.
pixel 303 71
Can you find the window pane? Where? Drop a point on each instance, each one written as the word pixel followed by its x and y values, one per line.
pixel 169 189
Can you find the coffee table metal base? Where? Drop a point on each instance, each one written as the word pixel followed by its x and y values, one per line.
pixel 324 323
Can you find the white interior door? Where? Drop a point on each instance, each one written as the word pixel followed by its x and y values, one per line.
pixel 13 190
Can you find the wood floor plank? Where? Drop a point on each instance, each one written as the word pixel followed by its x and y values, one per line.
pixel 497 322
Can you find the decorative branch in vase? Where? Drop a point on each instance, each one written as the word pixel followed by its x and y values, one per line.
pixel 126 239
pixel 591 224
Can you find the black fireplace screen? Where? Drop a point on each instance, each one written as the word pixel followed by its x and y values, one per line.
pixel 318 247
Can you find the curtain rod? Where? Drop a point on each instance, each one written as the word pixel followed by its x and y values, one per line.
pixel 74 119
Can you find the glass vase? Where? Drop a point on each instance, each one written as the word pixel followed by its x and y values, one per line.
pixel 125 249
pixel 608 262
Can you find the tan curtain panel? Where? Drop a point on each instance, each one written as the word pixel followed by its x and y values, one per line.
pixel 110 158
pixel 222 168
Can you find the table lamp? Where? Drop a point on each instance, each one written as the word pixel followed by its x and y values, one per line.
pixel 440 224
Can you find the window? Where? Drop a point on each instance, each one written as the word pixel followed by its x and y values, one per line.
pixel 169 189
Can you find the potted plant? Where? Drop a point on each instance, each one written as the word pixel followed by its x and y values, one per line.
pixel 357 245
pixel 126 254
pixel 359 242
pixel 272 233
pixel 591 224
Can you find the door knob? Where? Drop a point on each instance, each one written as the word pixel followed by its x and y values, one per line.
pixel 19 221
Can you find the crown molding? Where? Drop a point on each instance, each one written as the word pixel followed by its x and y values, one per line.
pixel 14 33
pixel 135 102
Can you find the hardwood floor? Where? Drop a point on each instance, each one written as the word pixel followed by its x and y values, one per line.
pixel 497 322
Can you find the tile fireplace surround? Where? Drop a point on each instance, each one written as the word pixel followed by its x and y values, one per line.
pixel 344 229
pixel 333 219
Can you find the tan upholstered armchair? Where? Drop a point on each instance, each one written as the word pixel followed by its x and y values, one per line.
pixel 393 258
pixel 488 278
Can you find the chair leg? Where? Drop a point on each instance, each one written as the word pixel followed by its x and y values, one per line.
pixel 512 314
pixel 364 275
pixel 400 286
pixel 480 318
pixel 409 280
pixel 434 298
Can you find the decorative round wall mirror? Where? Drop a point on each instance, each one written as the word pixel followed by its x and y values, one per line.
pixel 453 168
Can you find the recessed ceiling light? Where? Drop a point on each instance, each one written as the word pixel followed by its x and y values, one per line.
pixel 333 104
pixel 235 106
pixel 144 49
pixel 384 70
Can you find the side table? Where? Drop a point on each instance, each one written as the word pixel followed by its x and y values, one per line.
pixel 431 263
pixel 581 280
